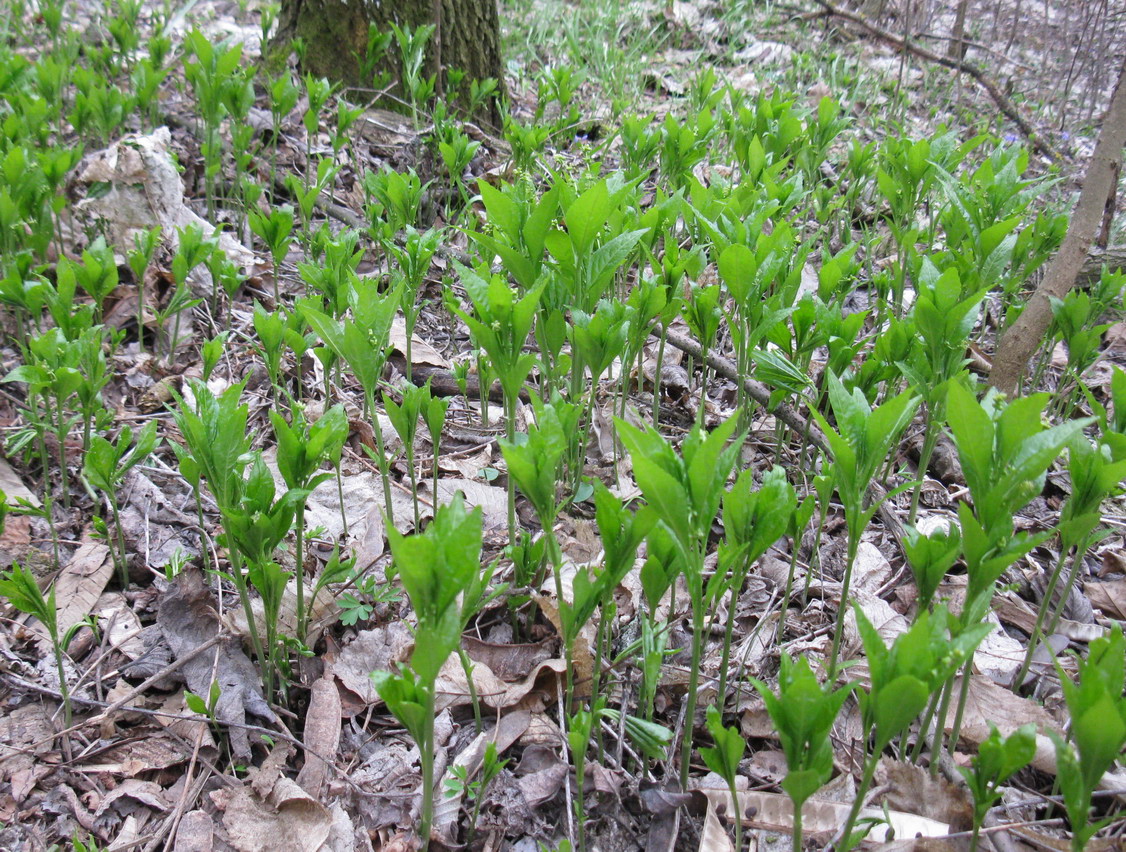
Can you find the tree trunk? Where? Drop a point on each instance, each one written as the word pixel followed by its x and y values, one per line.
pixel 957 47
pixel 335 35
pixel 1026 335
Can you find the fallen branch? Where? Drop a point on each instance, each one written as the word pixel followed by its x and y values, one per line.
pixel 1021 340
pixel 787 414
pixel 1003 103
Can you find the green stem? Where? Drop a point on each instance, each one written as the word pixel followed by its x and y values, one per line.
pixel 693 681
pixel 797 845
pixel 974 837
pixel 963 695
pixel 119 557
pixel 853 547
pixel 340 498
pixel 1045 606
pixel 414 486
pixel 426 759
pixel 657 381
pixel 64 689
pixel 299 568
pixel 381 456
pixel 202 531
pixel 510 434
pixel 239 580
pixel 48 500
pixel 555 554
pixel 1076 561
pixel 780 633
pixel 467 667
pixel 861 792
pixel 736 815
pixel 729 630
pixel 930 441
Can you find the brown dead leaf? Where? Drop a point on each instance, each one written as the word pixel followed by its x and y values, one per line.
pixel 911 789
pixel 452 687
pixel 119 624
pixel 1113 561
pixel 421 351
pixel 371 651
pixel 25 737
pixel 145 189
pixel 322 735
pixel 182 722
pixel 196 833
pixel 187 619
pixel 146 792
pixel 81 583
pixel 286 819
pixel 13 486
pixel 492 500
pixel 508 730
pixel 987 702
pixel 1108 596
pixel 150 748
pixel 545 781
pixel 926 844
pixel 714 836
pixel 509 662
pixel 775 812
pixel 582 657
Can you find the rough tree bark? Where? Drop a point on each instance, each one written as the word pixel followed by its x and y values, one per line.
pixel 335 34
pixel 1025 336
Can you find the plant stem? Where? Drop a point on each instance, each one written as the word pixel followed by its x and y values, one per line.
pixel 779 634
pixel 426 760
pixel 299 568
pixel 239 579
pixel 930 441
pixel 738 578
pixel 64 688
pixel 510 434
pixel 853 547
pixel 963 695
pixel 797 844
pixel 202 531
pixel 657 381
pixel 414 487
pixel 555 554
pixel 119 557
pixel 467 667
pixel 381 455
pixel 693 681
pixel 861 792
pixel 1045 606
pixel 48 500
pixel 736 815
pixel 1076 560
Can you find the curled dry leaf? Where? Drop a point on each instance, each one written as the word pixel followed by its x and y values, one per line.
pixel 144 189
pixel 187 619
pixel 912 789
pixel 285 819
pixel 453 687
pixel 775 812
pixel 80 584
pixel 13 486
pixel 508 730
pixel 372 651
pixel 322 735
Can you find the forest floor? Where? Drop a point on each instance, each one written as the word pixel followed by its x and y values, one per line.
pixel 757 171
